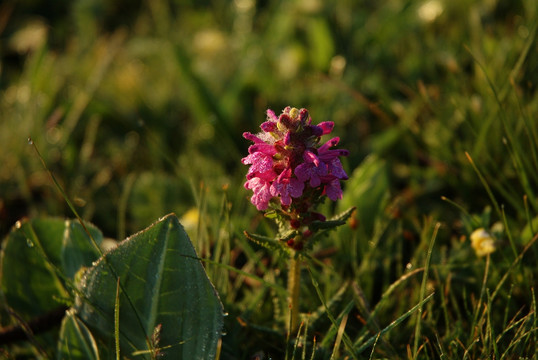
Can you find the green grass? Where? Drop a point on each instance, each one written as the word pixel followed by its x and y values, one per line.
pixel 138 111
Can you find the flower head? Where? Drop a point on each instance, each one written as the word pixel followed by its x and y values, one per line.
pixel 482 242
pixel 288 164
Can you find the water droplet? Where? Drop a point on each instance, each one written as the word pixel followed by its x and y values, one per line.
pixel 30 141
pixel 225 314
pixel 18 224
pixel 409 266
pixel 29 243
pixel 223 333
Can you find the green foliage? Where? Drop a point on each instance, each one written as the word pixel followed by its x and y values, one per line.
pixel 138 111
pixel 76 340
pixel 40 259
pixel 162 283
pixel 159 278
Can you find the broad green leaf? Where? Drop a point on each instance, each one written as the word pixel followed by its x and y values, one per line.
pixel 39 259
pixel 162 283
pixel 368 190
pixel 77 249
pixel 76 340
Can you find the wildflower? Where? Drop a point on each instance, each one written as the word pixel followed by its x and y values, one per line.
pixel 287 163
pixel 482 242
pixel 291 172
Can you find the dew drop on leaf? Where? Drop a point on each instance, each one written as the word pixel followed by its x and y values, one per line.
pixel 18 224
pixel 30 141
pixel 29 243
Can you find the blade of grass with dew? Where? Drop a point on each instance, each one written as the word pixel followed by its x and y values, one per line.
pixel 371 321
pixel 276 287
pixel 333 330
pixel 346 339
pixel 117 321
pixel 516 149
pixel 478 306
pixel 122 203
pixel 297 339
pixel 341 328
pixel 513 265
pixel 490 194
pixel 441 351
pixel 373 347
pixel 535 325
pixel 519 337
pixel 305 337
pixel 507 229
pixel 527 214
pixel 423 287
pixel 313 348
pixel 490 332
pixel 444 301
pixel 393 324
pixel 462 209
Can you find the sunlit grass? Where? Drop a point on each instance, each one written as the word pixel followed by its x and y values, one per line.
pixel 142 116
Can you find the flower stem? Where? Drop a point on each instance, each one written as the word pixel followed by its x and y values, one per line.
pixel 294 282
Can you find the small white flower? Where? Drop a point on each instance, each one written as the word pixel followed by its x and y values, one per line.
pixel 482 242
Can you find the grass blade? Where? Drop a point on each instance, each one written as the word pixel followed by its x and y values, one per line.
pixel 423 287
pixel 392 325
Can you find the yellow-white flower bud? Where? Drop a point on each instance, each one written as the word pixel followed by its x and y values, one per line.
pixel 482 242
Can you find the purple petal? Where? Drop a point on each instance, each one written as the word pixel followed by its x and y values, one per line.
pixel 303 171
pixel 262 194
pixel 333 190
pixel 336 169
pixel 252 138
pixel 329 144
pixel 309 156
pixel 268 126
pixel 326 126
pixel 271 115
pixel 264 148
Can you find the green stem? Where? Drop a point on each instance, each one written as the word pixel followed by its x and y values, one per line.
pixel 294 282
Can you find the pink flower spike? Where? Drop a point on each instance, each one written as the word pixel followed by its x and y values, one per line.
pixel 286 156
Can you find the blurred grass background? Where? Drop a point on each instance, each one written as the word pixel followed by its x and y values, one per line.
pixel 138 109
